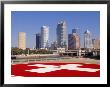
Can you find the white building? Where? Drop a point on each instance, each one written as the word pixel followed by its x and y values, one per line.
pixel 62 34
pixel 44 36
pixel 87 40
pixel 61 50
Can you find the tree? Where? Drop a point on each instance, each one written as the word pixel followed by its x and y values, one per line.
pixel 16 51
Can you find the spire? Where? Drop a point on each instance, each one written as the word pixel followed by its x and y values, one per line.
pixel 87 32
pixel 62 22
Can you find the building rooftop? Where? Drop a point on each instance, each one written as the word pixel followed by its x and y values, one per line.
pixel 44 26
pixel 87 32
pixel 61 22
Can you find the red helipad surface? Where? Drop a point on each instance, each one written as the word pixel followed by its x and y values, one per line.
pixel 55 70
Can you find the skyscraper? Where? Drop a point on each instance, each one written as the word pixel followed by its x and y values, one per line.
pixel 97 43
pixel 44 36
pixel 73 40
pixel 74 30
pixel 62 34
pixel 38 40
pixel 22 40
pixel 87 39
pixel 93 42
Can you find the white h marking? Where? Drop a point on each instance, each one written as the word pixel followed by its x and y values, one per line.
pixel 48 68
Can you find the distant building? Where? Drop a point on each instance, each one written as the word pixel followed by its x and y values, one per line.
pixel 38 41
pixel 87 40
pixel 54 46
pixel 93 43
pixel 73 40
pixel 44 36
pixel 22 40
pixel 75 30
pixel 61 50
pixel 62 34
pixel 96 44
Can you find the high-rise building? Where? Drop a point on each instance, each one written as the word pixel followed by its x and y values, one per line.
pixel 22 40
pixel 88 40
pixel 62 34
pixel 73 40
pixel 44 37
pixel 93 42
pixel 96 44
pixel 74 30
pixel 38 40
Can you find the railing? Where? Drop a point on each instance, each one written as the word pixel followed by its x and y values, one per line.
pixel 29 60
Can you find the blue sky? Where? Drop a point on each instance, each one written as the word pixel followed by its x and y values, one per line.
pixel 31 22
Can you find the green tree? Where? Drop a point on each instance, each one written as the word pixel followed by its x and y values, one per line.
pixel 16 51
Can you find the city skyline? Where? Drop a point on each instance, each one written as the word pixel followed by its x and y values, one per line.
pixel 31 22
